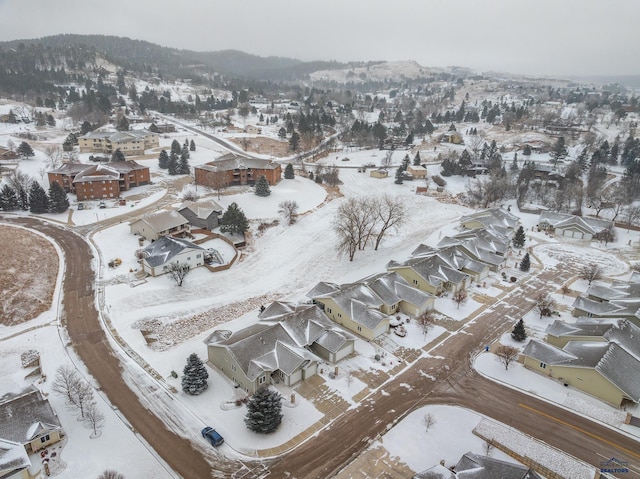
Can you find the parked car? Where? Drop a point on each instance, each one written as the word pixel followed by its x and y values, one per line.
pixel 102 205
pixel 211 435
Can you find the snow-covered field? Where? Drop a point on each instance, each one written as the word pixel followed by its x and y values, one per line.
pixel 284 262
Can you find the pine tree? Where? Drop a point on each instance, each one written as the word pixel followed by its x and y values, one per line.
pixel 519 238
pixel 25 150
pixel 288 172
pixel 262 186
pixel 183 163
pixel 399 179
pixel 38 199
pixel 163 160
pixel 233 220
pixel 525 264
pixel 58 200
pixel 519 332
pixel 175 147
pixel 416 159
pixel 264 411
pixel 194 376
pixel 118 156
pixel 192 146
pixel 8 199
pixel 185 150
pixel 294 141
pixel 559 151
pixel 173 163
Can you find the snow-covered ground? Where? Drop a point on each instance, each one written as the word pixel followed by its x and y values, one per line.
pixel 282 262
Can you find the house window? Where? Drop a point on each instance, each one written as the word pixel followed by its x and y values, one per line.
pixel 339 315
pixel 329 310
pixel 415 281
pixel 198 256
pixel 233 367
pixel 261 379
pixel 359 328
pixel 44 439
pixel 543 365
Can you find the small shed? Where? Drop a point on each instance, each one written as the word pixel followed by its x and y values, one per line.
pixel 418 172
pixel 379 173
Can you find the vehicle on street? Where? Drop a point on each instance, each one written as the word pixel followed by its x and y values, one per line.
pixel 211 435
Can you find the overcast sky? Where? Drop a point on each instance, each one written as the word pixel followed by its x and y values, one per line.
pixel 546 37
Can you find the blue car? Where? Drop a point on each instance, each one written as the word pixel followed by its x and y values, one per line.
pixel 211 435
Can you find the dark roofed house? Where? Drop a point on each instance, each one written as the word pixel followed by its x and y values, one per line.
pixel 159 255
pixel 28 419
pixel 237 170
pixel 475 466
pixel 203 214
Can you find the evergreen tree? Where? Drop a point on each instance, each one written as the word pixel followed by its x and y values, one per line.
pixel 525 264
pixel 514 163
pixel 288 172
pixel 183 166
pixel 262 186
pixel 519 238
pixel 163 160
pixel 416 159
pixel 123 124
pixel 234 220
pixel 194 376
pixel 175 147
pixel 559 151
pixel 294 141
pixel 25 150
pixel 399 174
pixel 8 199
pixel 519 332
pixel 526 151
pixel 185 150
pixel 118 156
pixel 264 411
pixel 172 166
pixel 38 199
pixel 58 200
pixel 192 146
pixel 406 161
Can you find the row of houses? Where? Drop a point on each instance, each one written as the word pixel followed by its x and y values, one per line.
pixel 28 424
pixel 289 340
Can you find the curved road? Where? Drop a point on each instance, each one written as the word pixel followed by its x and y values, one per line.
pixel 323 455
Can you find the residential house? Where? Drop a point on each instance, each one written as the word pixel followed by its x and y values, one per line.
pixel 398 295
pixel 167 250
pixel 617 308
pixel 493 217
pixel 379 173
pixel 479 246
pixel 203 214
pixel 6 154
pixel 235 170
pixel 133 142
pixel 431 274
pixel 14 460
pixel 572 226
pixel 253 130
pixel 596 359
pixel 102 181
pixel 28 419
pixel 451 137
pixel 162 223
pixel 456 258
pixel 285 346
pixel 475 466
pixel 418 172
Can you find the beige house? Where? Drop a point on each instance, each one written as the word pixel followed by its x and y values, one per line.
pixel 418 172
pixel 28 419
pixel 572 226
pixel 133 142
pixel 163 223
pixel 592 356
pixel 379 173
pixel 285 346
pixel 167 250
pixel 498 218
pixel 431 274
pixel 14 460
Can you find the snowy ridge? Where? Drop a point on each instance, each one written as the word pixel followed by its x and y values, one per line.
pixel 525 446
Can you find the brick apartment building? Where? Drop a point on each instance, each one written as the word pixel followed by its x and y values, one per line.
pixel 91 182
pixel 235 170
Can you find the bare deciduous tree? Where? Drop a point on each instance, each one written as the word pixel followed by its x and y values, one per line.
pixel 94 418
pixel 506 355
pixel 55 154
pixel 428 421
pixel 353 223
pixel 288 209
pixel 82 395
pixel 545 304
pixel 65 382
pixel 189 193
pixel 386 161
pixel 460 296
pixel 592 272
pixel 110 474
pixel 426 320
pixel 178 272
pixel 391 213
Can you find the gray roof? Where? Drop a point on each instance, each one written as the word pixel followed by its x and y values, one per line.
pixel 280 342
pixel 433 269
pixel 202 209
pixel 493 217
pixel 614 308
pixel 474 466
pixel 233 161
pixel 163 220
pixel 436 472
pixel 162 250
pixel 393 288
pixel 322 288
pixel 97 173
pixel 13 456
pixel 583 326
pixel 24 415
pixel 118 136
pixel 564 220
